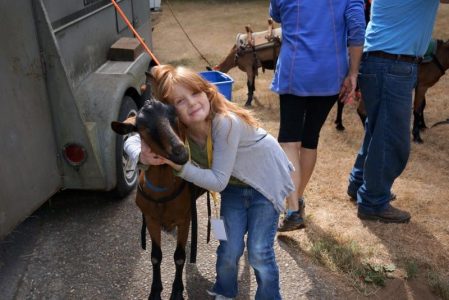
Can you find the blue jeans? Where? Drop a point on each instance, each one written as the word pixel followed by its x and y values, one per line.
pixel 386 86
pixel 245 210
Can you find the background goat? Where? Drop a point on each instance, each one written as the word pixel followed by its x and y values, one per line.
pixel 252 51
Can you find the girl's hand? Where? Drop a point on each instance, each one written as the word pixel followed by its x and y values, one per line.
pixel 173 165
pixel 147 157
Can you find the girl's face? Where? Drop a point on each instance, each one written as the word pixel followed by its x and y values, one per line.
pixel 191 107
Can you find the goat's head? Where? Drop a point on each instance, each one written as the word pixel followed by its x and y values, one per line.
pixel 158 126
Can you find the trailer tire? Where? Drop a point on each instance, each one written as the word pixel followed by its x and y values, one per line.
pixel 126 179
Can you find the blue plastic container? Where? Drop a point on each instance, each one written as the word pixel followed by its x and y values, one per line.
pixel 221 80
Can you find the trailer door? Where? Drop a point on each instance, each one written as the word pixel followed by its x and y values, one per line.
pixel 29 172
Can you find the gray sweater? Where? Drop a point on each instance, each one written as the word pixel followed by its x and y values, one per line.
pixel 239 150
pixel 250 155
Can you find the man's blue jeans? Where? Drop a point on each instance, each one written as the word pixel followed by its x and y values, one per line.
pixel 245 210
pixel 386 87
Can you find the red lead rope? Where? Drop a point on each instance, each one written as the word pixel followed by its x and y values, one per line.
pixel 130 26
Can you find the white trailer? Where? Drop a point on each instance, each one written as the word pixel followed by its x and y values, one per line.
pixel 58 95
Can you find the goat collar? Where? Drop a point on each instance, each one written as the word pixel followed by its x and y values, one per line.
pixel 153 187
pixel 173 196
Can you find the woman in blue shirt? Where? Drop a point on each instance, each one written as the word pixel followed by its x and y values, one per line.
pixel 312 72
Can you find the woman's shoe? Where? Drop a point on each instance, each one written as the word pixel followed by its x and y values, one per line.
pixel 295 220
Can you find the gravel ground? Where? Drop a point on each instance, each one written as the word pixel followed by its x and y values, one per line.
pixel 87 246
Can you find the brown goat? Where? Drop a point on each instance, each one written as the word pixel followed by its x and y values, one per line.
pixel 252 51
pixel 166 201
pixel 428 74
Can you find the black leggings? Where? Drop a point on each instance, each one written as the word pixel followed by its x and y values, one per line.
pixel 303 117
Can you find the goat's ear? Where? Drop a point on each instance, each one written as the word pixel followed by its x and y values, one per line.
pixel 125 127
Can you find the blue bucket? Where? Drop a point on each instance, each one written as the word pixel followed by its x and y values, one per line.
pixel 221 80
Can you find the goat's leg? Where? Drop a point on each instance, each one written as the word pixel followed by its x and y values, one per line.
pixel 361 111
pixel 250 93
pixel 422 123
pixel 178 285
pixel 180 258
pixel 338 120
pixel 156 259
pixel 418 114
pixel 251 87
pixel 415 130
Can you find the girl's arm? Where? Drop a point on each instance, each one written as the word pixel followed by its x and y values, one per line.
pixel 137 151
pixel 132 148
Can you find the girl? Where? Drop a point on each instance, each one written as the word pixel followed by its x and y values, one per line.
pixel 244 163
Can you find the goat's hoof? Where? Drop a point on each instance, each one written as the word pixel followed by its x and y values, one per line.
pixel 176 295
pixel 155 296
pixel 340 127
pixel 248 104
pixel 418 140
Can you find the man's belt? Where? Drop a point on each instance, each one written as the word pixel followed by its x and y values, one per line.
pixel 399 57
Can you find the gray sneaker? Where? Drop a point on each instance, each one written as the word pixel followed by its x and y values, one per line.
pixel 291 222
pixel 295 220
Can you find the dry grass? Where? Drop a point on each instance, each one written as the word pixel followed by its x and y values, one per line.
pixel 423 188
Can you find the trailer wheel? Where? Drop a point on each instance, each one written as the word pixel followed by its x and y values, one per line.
pixel 126 173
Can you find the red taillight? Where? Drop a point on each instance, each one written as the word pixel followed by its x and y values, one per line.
pixel 74 154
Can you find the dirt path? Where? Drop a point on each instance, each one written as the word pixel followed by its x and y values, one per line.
pixel 86 246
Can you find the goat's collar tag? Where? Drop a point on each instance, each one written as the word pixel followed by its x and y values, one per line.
pixel 153 187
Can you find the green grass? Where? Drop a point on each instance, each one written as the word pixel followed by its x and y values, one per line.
pixel 411 269
pixel 438 285
pixel 347 259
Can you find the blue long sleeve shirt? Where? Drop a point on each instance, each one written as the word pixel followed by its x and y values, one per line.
pixel 313 60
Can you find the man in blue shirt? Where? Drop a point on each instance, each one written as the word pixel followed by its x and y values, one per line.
pixel 312 71
pixel 396 38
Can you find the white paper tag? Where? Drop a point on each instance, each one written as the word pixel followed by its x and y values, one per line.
pixel 218 229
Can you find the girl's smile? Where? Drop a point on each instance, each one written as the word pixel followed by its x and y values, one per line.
pixel 192 107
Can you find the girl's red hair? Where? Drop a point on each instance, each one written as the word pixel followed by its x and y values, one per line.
pixel 164 77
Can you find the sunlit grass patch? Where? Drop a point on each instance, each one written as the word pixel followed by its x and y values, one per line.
pixel 438 285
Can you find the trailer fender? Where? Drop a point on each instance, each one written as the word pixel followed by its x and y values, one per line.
pixel 101 96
